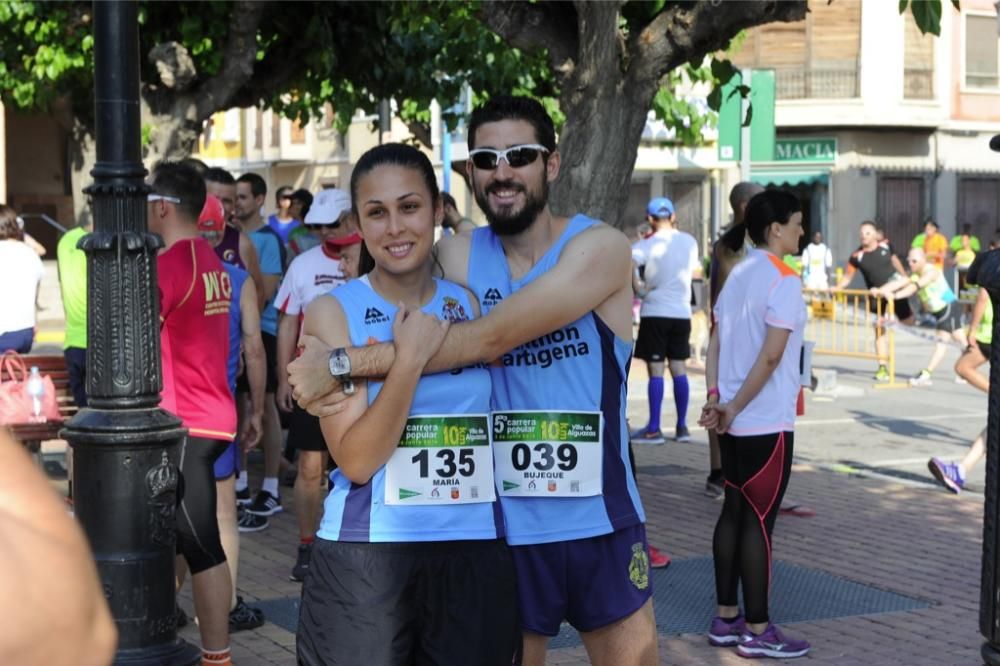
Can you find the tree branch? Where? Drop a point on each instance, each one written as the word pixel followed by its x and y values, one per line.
pixel 530 26
pixel 238 59
pixel 686 32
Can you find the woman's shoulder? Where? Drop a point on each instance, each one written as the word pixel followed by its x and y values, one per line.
pixel 458 302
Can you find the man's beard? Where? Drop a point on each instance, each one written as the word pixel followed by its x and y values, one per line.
pixel 505 222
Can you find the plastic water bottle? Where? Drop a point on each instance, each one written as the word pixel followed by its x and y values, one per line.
pixel 36 389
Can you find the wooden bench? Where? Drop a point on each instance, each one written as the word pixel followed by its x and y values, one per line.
pixel 31 435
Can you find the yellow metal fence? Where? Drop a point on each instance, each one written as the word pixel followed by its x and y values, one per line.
pixel 848 322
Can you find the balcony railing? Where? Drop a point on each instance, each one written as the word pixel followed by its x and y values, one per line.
pixel 918 83
pixel 816 83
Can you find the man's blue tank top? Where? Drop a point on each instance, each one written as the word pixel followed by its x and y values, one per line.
pixel 580 367
pixel 354 512
pixel 237 276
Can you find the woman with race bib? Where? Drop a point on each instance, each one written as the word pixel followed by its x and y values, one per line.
pixel 409 565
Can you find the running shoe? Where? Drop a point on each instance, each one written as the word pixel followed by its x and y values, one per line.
pixel 771 643
pixel 301 567
pixel 682 434
pixel 948 474
pixel 265 504
pixel 251 522
pixel 725 633
pixel 647 437
pixel 882 374
pixel 243 617
pixel 243 496
pixel 658 559
pixel 715 488
pixel 923 378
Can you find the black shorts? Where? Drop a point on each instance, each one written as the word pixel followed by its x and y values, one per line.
pixel 948 318
pixel 197 526
pixel 901 307
pixel 444 602
pixel 663 338
pixel 304 432
pixel 984 348
pixel 271 354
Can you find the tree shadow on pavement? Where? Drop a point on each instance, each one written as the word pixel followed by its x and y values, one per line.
pixel 905 427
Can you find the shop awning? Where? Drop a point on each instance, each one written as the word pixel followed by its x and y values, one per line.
pixel 790 177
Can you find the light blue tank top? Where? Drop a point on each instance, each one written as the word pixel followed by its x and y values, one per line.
pixel 237 276
pixel 355 512
pixel 580 367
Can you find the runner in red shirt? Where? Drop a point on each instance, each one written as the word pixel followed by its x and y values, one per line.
pixel 195 295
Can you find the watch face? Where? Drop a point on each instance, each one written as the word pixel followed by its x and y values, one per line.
pixel 340 364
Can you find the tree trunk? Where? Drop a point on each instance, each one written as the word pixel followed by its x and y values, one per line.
pixel 598 152
pixel 82 157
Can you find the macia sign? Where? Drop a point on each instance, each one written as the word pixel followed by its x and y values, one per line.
pixel 805 150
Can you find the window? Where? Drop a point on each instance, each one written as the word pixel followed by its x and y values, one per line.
pixel 981 53
pixel 918 64
pixel 813 58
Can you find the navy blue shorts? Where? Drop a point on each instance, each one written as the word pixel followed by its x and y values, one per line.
pixel 588 582
pixel 228 463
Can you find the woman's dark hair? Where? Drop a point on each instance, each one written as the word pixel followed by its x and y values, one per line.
pixel 763 209
pixel 305 198
pixel 9 228
pixel 390 154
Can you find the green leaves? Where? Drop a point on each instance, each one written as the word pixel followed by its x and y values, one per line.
pixel 926 14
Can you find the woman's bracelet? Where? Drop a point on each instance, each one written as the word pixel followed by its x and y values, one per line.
pixel 712 391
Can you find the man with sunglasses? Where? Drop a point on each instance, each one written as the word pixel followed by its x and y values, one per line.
pixel 556 296
pixel 195 299
pixel 313 273
pixel 282 221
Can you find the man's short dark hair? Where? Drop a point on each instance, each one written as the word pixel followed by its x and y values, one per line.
pixel 196 164
pixel 507 107
pixel 176 179
pixel 220 176
pixel 257 185
pixel 931 222
pixel 283 191
pixel 449 200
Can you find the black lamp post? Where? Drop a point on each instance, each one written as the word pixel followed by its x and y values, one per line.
pixel 985 271
pixel 125 476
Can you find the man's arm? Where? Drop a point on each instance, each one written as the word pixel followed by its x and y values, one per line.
pixel 249 255
pixel 256 362
pixel 847 277
pixel 288 332
pixel 898 265
pixel 54 608
pixel 561 296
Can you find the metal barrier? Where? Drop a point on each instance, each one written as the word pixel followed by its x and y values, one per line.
pixel 849 322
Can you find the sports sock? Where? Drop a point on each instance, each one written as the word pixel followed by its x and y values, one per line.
pixel 241 481
pixel 655 394
pixel 270 484
pixel 307 541
pixel 681 399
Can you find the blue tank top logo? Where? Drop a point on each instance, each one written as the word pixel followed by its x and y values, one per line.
pixel 374 316
pixel 562 344
pixel 491 298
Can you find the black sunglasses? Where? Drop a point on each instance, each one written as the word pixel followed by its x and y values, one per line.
pixel 317 227
pixel 515 156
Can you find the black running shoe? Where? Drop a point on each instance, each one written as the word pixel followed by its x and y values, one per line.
pixel 301 567
pixel 265 504
pixel 243 618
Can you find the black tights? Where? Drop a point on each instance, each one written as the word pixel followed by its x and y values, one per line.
pixel 756 469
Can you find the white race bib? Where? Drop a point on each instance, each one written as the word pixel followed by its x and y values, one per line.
pixel 548 454
pixel 441 460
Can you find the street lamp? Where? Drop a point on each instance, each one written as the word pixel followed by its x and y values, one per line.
pixel 125 476
pixel 985 271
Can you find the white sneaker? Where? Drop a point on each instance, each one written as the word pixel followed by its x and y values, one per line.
pixel 922 379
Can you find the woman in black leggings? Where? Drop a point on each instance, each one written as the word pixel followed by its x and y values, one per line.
pixel 753 377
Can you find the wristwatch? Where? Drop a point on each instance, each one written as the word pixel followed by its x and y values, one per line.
pixel 340 368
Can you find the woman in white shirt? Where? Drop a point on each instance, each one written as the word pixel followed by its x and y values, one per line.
pixel 753 377
pixel 20 274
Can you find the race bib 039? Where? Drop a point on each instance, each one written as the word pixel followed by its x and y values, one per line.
pixel 548 454
pixel 441 460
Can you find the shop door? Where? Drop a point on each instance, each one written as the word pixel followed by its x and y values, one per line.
pixel 901 210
